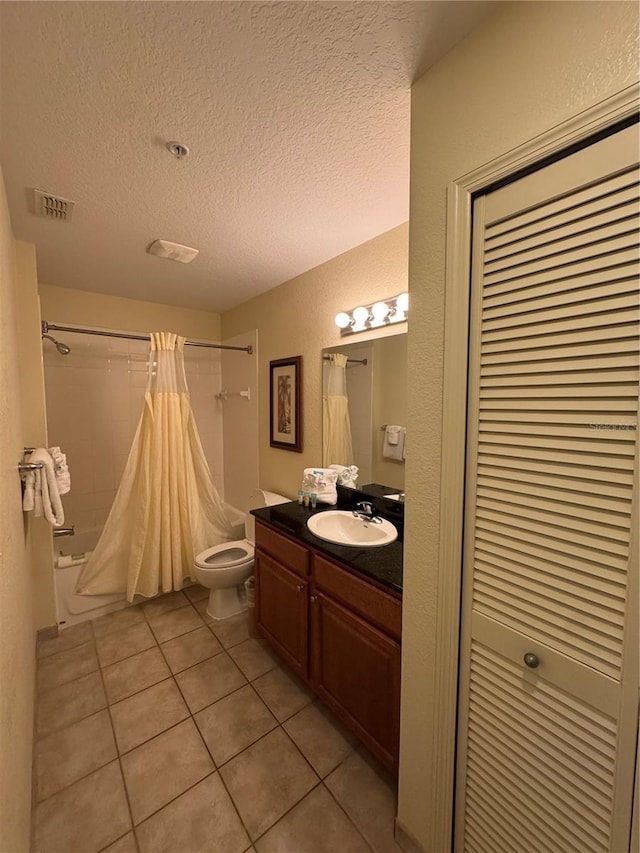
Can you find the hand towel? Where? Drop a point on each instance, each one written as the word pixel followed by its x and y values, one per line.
pixel 322 482
pixel 63 477
pixel 46 498
pixel 393 444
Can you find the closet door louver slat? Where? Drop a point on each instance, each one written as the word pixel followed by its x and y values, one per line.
pixel 551 503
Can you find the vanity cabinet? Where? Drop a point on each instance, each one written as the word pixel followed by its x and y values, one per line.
pixel 339 632
pixel 282 596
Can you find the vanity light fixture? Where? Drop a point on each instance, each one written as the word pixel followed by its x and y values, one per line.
pixel 376 315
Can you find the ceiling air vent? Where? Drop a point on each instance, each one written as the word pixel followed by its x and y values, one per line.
pixel 52 206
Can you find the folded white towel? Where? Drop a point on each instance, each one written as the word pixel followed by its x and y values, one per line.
pixel 393 444
pixel 393 434
pixel 63 477
pixel 41 489
pixel 322 482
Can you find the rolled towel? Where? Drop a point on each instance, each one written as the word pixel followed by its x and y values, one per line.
pixel 29 496
pixel 46 496
pixel 63 477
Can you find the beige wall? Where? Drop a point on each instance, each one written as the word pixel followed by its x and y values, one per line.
pixel 62 306
pixel 240 420
pixel 17 637
pixel 297 319
pixel 530 67
pixel 390 393
pixel 38 530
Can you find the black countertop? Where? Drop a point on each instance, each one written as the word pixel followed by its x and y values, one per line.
pixel 383 564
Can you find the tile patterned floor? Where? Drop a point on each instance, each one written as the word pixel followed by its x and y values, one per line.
pixel 159 731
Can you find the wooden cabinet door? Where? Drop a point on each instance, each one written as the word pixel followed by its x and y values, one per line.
pixel 356 671
pixel 282 601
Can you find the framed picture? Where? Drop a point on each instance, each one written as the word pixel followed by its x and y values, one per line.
pixel 286 403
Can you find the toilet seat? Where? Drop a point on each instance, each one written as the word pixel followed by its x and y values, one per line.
pixel 227 555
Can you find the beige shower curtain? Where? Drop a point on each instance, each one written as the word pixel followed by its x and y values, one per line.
pixel 337 448
pixel 167 508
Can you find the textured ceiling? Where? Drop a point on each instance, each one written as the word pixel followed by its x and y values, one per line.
pixel 296 114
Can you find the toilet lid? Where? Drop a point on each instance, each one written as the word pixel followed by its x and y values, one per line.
pixel 228 554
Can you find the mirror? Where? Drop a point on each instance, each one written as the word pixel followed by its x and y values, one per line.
pixel 377 397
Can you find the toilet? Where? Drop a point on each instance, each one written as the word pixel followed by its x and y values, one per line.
pixel 224 568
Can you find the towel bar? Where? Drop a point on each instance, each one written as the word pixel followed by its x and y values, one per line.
pixel 29 466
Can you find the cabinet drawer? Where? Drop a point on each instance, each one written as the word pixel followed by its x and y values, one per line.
pixel 380 608
pixel 285 550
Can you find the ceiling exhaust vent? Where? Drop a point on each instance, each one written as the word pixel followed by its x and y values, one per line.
pixel 52 206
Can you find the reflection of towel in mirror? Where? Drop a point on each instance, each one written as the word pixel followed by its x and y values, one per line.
pixel 347 475
pixel 393 444
pixel 41 491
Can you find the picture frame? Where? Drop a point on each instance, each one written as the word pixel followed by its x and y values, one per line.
pixel 285 403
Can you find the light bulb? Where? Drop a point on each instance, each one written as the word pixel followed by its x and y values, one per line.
pixel 342 320
pixel 380 311
pixel 402 302
pixel 360 315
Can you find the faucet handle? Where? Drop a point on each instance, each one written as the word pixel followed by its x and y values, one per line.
pixel 366 506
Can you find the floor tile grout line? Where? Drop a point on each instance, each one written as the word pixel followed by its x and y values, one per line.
pixel 221 777
pixel 216 769
pixel 343 809
pixel 115 741
pixel 215 766
pixel 192 714
pixel 120 837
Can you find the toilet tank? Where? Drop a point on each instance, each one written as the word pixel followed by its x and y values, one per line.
pixel 257 500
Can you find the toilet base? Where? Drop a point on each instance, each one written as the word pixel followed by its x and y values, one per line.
pixel 224 603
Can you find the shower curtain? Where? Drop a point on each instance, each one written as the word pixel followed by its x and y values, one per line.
pixel 337 448
pixel 167 509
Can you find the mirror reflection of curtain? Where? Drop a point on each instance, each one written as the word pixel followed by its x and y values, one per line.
pixel 337 448
pixel 167 508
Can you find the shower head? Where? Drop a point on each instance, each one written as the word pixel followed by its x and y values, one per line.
pixel 63 349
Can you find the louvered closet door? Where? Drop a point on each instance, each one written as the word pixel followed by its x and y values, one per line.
pixel 546 753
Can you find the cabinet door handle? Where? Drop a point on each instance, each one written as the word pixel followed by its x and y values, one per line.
pixel 299 588
pixel 531 660
pixel 314 598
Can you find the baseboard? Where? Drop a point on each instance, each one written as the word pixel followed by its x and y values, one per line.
pixel 405 840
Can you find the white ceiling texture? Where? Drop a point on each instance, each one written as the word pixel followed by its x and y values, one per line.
pixel 296 115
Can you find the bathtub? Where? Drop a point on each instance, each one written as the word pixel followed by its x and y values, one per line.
pixel 72 608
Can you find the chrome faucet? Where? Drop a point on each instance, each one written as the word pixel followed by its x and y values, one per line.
pixel 365 512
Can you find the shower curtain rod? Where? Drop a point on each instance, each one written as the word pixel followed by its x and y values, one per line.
pixel 349 360
pixel 46 327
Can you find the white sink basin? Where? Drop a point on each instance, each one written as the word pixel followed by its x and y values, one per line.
pixel 344 528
